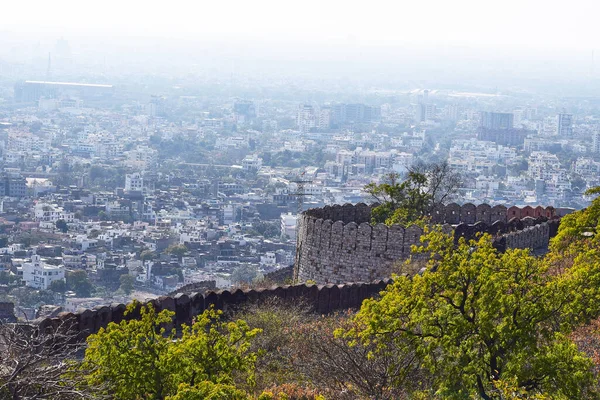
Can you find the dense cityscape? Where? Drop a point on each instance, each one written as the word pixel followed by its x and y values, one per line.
pixel 133 193
pixel 319 200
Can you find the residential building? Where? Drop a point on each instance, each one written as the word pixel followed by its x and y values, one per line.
pixel 565 125
pixel 40 275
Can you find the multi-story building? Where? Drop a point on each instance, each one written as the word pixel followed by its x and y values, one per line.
pixel 288 226
pixel 354 114
pixel 40 275
pixel 252 163
pixel 496 120
pixel 424 112
pixel 45 212
pixel 324 121
pixel 595 142
pixel 306 117
pixel 587 168
pixel 542 165
pixel 134 182
pixel 565 125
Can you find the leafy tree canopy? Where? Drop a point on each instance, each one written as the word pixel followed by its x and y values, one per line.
pixel 477 317
pixel 426 186
pixel 140 359
pixel 79 282
pixel 126 283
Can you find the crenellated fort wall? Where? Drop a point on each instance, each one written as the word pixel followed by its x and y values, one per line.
pixel 322 298
pixel 339 244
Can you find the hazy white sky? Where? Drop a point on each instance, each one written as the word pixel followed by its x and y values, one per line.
pixel 519 23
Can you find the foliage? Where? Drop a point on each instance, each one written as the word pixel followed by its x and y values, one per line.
pixel 6 278
pixel 338 365
pixel 290 392
pixel 178 250
pixel 576 228
pixel 126 282
pixel 410 201
pixel 301 357
pixel 267 229
pixel 277 321
pixel 475 317
pixel 207 390
pixel 147 255
pixel 79 282
pixel 59 286
pixel 29 297
pixel 62 226
pixel 245 273
pixel 140 359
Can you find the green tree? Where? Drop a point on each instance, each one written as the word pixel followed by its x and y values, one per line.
pixel 62 226
pixel 58 286
pixel 267 229
pixel 147 255
pixel 476 317
pixel 79 282
pixel 209 391
pixel 140 359
pixel 426 186
pixel 126 283
pixel 578 227
pixel 7 278
pixel 245 273
pixel 28 297
pixel 178 250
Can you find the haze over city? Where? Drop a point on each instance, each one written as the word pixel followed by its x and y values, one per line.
pixel 419 177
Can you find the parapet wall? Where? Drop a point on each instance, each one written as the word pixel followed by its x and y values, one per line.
pixel 323 298
pixel 452 213
pixel 338 244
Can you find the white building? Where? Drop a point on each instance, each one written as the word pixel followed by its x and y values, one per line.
pixel 542 165
pixel 268 260
pixel 564 126
pixel 134 182
pixel 595 143
pixel 288 226
pixel 252 163
pixel 45 212
pixel 40 275
pixel 306 117
pixel 324 121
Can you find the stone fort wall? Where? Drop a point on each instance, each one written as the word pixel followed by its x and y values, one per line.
pixel 338 244
pixel 322 298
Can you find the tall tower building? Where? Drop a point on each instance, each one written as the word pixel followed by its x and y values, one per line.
pixel 565 125
pixel 306 117
pixel 595 142
pixel 495 120
pixel 453 112
pixel 518 117
pixel 324 118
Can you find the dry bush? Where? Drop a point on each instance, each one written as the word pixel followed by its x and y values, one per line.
pixel 278 321
pixel 299 349
pixel 36 364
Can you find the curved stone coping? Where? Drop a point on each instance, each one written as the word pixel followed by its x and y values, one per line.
pixel 324 299
pixel 452 213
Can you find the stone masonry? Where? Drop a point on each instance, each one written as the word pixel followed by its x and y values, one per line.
pixel 338 243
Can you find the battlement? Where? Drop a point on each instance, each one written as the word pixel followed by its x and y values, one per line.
pixel 339 244
pixel 322 298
